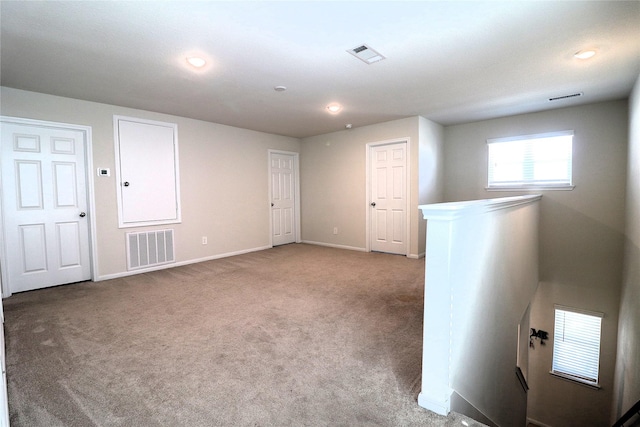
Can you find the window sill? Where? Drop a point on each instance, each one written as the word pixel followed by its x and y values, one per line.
pixel 595 386
pixel 532 188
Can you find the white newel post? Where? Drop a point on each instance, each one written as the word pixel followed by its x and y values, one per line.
pixel 458 235
pixel 435 394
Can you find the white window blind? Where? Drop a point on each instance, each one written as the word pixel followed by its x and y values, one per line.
pixel 576 344
pixel 543 160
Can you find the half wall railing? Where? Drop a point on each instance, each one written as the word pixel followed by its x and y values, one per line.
pixel 481 273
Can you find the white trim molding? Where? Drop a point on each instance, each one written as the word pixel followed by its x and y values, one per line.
pixel 181 263
pixel 454 210
pixel 331 245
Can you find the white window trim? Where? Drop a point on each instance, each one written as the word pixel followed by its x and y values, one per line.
pixel 576 380
pixel 524 186
pixel 536 188
pixel 569 377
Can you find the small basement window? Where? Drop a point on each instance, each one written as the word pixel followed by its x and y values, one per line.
pixel 541 161
pixel 576 345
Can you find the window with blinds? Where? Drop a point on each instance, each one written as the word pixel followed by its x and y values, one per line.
pixel 532 161
pixel 576 345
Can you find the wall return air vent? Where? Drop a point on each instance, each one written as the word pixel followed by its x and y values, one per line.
pixel 150 248
pixel 366 54
pixel 573 95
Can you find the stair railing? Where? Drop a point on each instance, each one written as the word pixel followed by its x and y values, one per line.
pixel 632 412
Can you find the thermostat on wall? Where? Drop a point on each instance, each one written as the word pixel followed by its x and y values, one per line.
pixel 104 172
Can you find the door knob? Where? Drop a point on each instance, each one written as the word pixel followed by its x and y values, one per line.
pixel 82 214
pixel 373 204
pixel 126 183
pixel 271 204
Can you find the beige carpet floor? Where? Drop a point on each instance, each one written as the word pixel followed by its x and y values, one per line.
pixel 298 335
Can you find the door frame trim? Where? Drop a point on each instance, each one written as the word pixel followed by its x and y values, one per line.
pixel 88 154
pixel 296 171
pixel 368 230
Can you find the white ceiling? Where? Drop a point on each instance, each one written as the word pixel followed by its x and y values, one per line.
pixel 451 62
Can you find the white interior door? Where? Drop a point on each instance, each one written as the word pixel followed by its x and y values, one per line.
pixel 147 155
pixel 283 198
pixel 44 205
pixel 388 199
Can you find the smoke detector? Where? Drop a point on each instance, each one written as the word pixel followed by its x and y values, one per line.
pixel 366 54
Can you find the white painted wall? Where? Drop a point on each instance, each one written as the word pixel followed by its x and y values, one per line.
pixel 430 170
pixel 581 240
pixel 224 186
pixel 478 252
pixel 627 374
pixel 333 180
pixel 224 196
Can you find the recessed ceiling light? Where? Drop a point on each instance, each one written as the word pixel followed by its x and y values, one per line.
pixel 280 88
pixel 585 54
pixel 196 61
pixel 334 108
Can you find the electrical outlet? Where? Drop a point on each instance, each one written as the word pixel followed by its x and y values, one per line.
pixel 204 240
pixel 335 230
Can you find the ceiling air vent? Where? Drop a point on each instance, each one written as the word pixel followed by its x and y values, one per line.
pixel 366 54
pixel 573 95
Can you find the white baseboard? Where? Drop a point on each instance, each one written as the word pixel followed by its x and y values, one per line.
pixel 178 264
pixel 224 255
pixel 354 248
pixel 537 423
pixel 331 245
pixel 440 407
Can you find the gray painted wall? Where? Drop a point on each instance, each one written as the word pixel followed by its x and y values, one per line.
pixel 224 178
pixel 627 374
pixel 582 231
pixel 333 180
pixel 431 173
pixel 581 240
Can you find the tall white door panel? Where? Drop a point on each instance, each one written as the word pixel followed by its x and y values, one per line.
pixel 147 155
pixel 283 198
pixel 44 204
pixel 388 199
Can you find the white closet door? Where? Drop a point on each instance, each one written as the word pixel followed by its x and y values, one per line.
pixel 389 198
pixel 283 198
pixel 147 154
